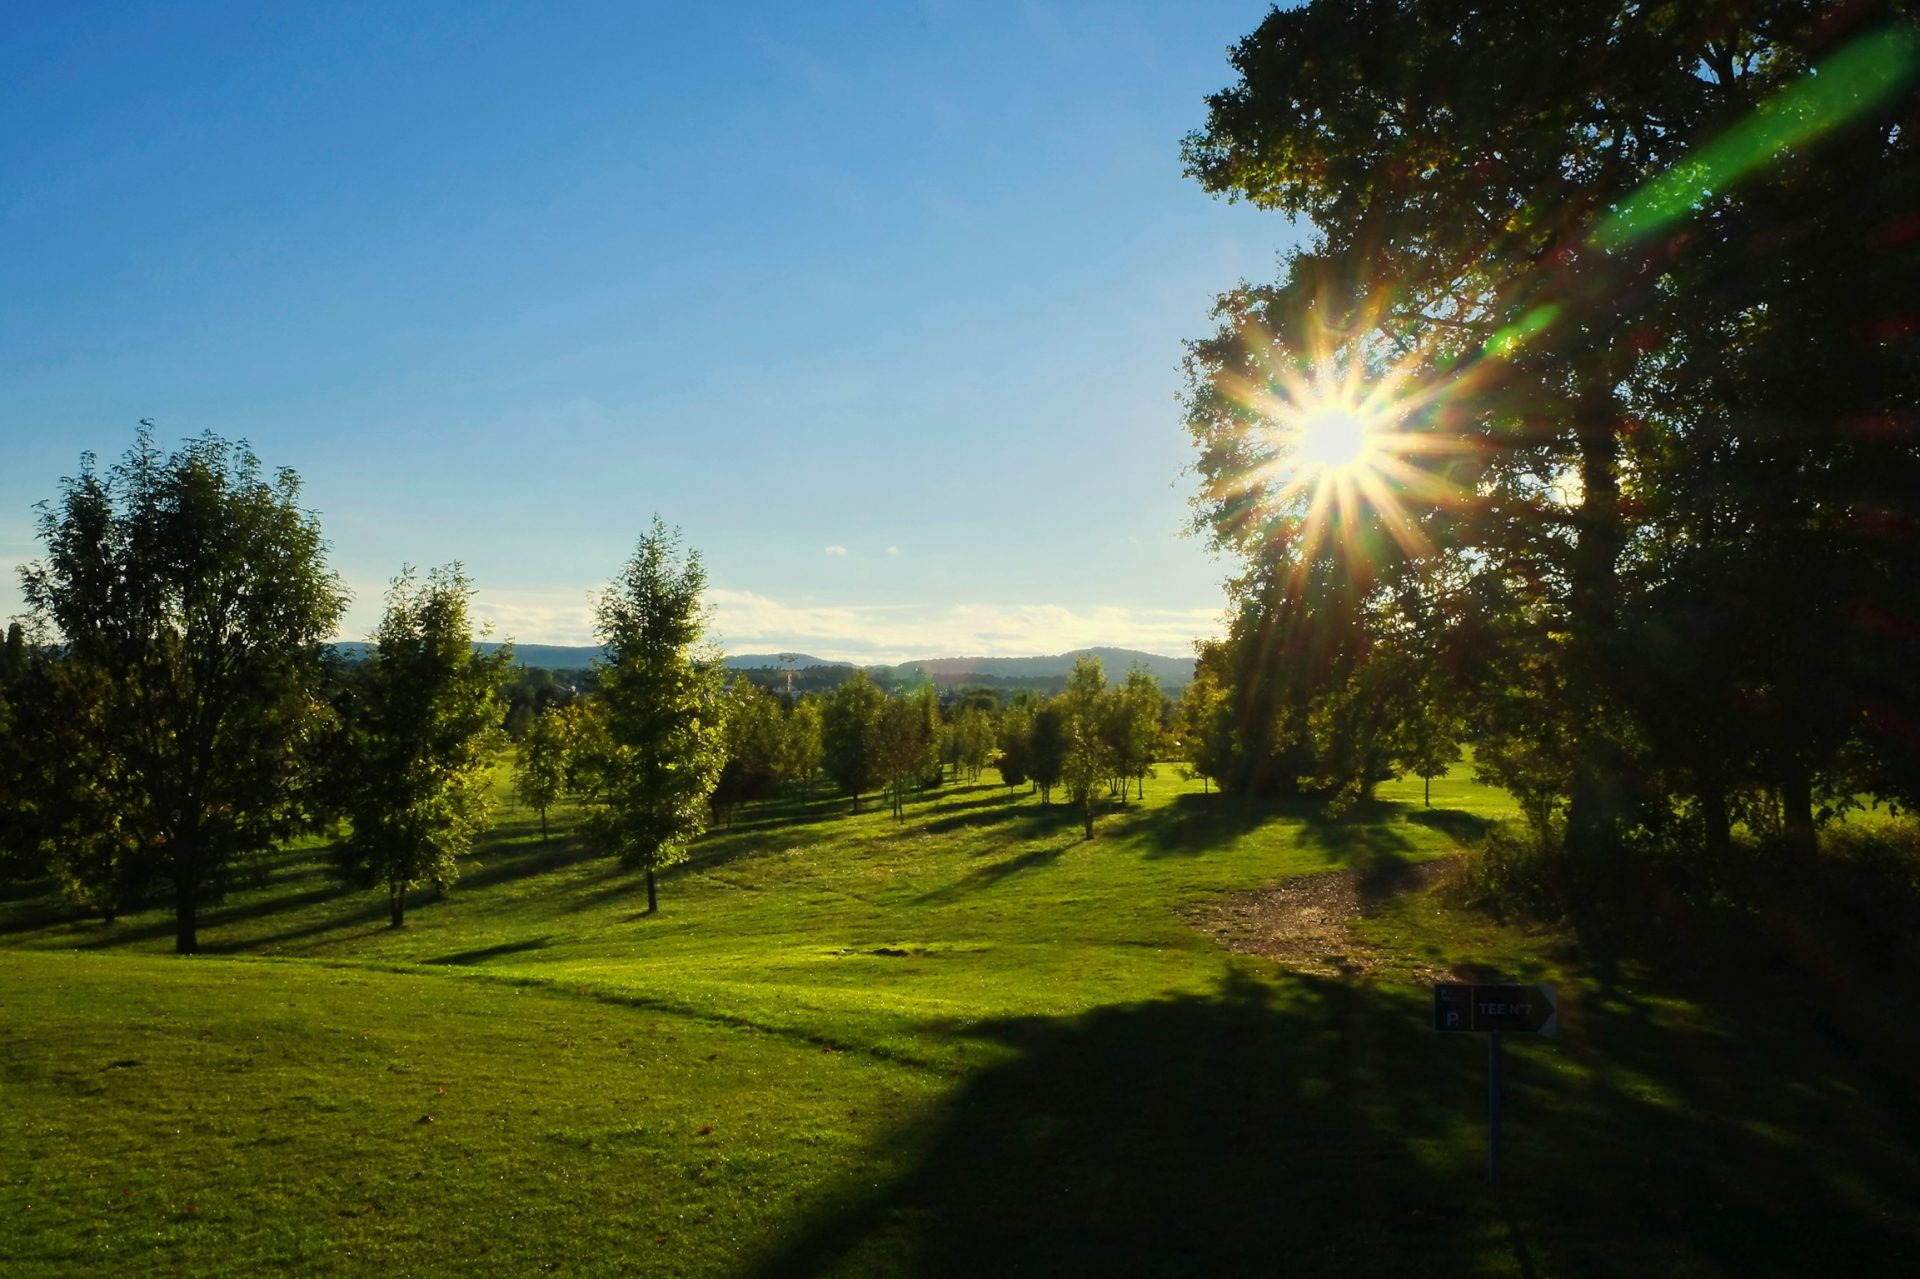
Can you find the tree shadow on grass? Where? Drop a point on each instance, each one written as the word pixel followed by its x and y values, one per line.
pixel 1456 824
pixel 992 873
pixel 467 958
pixel 1197 825
pixel 1329 1131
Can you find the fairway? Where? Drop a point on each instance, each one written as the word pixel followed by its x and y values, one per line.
pixel 968 1042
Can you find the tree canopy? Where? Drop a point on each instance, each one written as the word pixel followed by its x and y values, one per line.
pixel 192 598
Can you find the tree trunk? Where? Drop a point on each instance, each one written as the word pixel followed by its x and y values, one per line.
pixel 1087 816
pixel 1713 815
pixel 186 918
pixel 653 898
pixel 543 825
pixel 1429 790
pixel 397 904
pixel 1593 598
pixel 1796 805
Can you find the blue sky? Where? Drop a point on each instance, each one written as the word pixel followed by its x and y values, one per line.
pixel 881 303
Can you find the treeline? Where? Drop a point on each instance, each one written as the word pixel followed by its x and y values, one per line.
pixel 1639 516
pixel 177 708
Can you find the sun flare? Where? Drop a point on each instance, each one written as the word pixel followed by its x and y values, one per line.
pixel 1333 438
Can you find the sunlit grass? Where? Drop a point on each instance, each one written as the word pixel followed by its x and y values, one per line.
pixel 968 1042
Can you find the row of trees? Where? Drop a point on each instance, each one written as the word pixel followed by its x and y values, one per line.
pixel 183 708
pixel 1641 519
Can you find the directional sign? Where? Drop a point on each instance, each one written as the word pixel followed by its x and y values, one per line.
pixel 1520 1010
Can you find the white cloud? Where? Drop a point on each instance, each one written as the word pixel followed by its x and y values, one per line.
pixel 836 550
pixel 748 622
pixel 893 550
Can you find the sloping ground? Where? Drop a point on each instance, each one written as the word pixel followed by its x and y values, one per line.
pixel 1306 922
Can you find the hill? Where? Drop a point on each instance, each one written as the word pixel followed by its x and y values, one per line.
pixel 1173 673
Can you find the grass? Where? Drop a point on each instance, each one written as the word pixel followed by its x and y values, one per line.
pixel 969 1043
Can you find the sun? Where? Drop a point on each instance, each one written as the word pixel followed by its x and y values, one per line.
pixel 1333 438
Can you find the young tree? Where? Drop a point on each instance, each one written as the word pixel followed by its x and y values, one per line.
pixel 849 736
pixel 1016 744
pixel 1088 760
pixel 540 766
pixel 423 732
pixel 660 702
pixel 1047 746
pixel 1205 723
pixel 800 749
pixel 971 734
pixel 198 587
pixel 755 730
pixel 903 751
pixel 1131 728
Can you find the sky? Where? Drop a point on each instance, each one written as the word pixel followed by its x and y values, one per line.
pixel 881 304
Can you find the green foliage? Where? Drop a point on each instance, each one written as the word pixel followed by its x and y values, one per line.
pixel 756 743
pixel 849 736
pixel 1620 515
pixel 423 730
pixel 1047 746
pixel 800 742
pixel 1015 739
pixel 195 590
pixel 1130 728
pixel 540 766
pixel 1204 718
pixel 972 737
pixel 660 701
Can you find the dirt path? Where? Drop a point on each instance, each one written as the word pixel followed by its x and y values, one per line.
pixel 1306 922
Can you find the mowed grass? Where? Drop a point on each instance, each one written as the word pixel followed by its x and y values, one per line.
pixel 968 1043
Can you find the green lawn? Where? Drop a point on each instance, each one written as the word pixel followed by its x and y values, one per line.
pixel 969 1043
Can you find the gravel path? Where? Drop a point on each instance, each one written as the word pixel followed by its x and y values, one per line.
pixel 1305 922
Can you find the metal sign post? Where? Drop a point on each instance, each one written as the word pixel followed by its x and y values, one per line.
pixel 1526 1010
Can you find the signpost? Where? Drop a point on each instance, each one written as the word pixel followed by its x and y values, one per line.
pixel 1490 1010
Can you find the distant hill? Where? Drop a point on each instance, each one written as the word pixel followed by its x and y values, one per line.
pixel 776 661
pixel 1173 673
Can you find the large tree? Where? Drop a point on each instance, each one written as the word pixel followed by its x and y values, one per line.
pixel 195 588
pixel 1593 259
pixel 424 728
pixel 660 692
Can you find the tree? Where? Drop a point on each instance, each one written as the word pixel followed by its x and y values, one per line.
pixel 1132 727
pixel 1047 746
pixel 755 732
pixel 902 751
pixel 849 736
pixel 971 734
pixel 1205 720
pixel 1016 743
pixel 1609 416
pixel 1087 759
pixel 540 766
pixel 660 702
pixel 423 731
pixel 195 589
pixel 800 748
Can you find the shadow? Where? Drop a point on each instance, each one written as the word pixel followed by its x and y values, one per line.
pixel 1196 825
pixel 464 958
pixel 991 874
pixel 1323 1129
pixel 1461 827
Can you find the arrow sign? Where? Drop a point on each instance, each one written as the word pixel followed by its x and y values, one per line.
pixel 1520 1010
